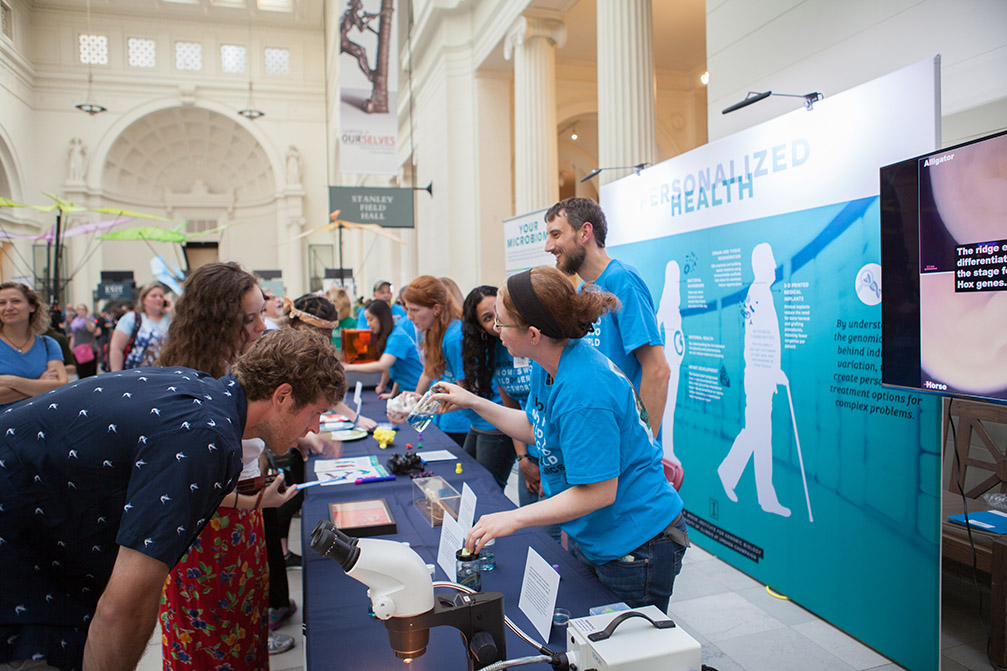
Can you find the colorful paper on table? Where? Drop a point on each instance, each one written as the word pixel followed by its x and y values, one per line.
pixel 329 417
pixel 346 471
pixel 538 593
pixel 435 455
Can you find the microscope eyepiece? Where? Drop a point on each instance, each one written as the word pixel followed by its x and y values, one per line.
pixel 330 542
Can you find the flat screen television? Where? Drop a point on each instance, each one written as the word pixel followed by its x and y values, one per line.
pixel 944 271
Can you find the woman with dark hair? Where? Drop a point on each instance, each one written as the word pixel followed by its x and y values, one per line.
pixel 489 372
pixel 149 338
pixel 30 363
pixel 601 466
pixel 215 601
pixel 436 317
pixel 398 351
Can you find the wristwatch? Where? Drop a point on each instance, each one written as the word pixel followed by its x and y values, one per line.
pixel 522 456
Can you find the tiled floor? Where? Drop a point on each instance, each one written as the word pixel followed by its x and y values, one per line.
pixel 741 626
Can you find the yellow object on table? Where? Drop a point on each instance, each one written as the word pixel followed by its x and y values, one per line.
pixel 384 437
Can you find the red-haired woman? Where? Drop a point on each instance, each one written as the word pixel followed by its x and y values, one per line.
pixel 437 319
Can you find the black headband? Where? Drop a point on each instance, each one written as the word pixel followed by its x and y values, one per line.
pixel 530 307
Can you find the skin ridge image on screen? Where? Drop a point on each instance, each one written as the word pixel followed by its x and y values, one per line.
pixel 944 266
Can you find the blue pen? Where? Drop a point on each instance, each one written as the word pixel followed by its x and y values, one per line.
pixel 305 485
pixel 381 478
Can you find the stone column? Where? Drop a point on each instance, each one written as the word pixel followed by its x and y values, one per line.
pixel 532 43
pixel 626 125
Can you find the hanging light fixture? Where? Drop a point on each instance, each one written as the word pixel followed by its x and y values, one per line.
pixel 250 112
pixel 88 105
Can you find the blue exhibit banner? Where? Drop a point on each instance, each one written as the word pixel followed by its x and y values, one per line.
pixel 801 469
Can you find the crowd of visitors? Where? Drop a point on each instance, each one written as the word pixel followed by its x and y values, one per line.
pixel 510 365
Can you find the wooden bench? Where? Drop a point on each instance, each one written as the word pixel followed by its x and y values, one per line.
pixel 990 549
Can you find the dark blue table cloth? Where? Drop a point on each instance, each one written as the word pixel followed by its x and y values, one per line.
pixel 339 631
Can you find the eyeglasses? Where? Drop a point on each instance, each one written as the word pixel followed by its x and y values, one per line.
pixel 498 325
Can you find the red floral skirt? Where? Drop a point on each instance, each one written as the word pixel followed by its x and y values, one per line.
pixel 215 601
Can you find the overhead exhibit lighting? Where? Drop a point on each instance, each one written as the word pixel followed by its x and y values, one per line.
pixel 755 96
pixel 251 112
pixel 635 168
pixel 89 106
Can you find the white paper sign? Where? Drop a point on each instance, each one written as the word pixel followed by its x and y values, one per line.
pixel 435 455
pixel 467 509
pixel 538 593
pixel 452 540
pixel 356 397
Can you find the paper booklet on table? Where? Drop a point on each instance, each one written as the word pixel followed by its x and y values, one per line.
pixel 346 471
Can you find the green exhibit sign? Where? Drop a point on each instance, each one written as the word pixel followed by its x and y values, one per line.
pixel 384 206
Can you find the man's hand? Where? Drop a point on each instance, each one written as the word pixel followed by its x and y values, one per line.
pixel 126 613
pixel 272 498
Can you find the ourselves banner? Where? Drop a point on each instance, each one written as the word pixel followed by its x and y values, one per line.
pixel 762 251
pixel 368 87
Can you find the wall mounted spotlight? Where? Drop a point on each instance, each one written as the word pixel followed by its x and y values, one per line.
pixel 635 168
pixel 755 96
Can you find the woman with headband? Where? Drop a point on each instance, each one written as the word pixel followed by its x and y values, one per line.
pixel 599 463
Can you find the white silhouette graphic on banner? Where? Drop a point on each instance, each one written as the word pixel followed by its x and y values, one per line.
pixel 762 375
pixel 669 316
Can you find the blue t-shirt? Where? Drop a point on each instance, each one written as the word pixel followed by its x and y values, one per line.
pixel 30 364
pixel 402 345
pixel 398 312
pixel 457 366
pixel 618 334
pixel 588 428
pixel 139 459
pixel 458 421
pixel 514 380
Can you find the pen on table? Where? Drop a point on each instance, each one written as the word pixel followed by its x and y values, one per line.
pixel 381 478
pixel 305 485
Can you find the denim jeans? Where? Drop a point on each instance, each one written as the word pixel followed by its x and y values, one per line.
pixel 494 452
pixel 646 580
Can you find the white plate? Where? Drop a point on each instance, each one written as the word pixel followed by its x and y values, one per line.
pixel 349 434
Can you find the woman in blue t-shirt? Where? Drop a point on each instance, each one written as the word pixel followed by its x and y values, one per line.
pixel 30 363
pixel 398 352
pixel 599 464
pixel 482 357
pixel 436 318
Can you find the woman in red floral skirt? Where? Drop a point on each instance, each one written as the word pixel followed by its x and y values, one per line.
pixel 215 602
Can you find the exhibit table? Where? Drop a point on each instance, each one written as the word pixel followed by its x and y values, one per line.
pixel 339 631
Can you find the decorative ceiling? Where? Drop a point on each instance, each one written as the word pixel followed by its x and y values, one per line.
pixel 184 150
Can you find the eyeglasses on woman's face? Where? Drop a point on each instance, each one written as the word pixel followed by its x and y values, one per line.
pixel 498 325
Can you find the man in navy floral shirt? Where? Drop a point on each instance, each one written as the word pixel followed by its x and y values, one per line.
pixel 105 483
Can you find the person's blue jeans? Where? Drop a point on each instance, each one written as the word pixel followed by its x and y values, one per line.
pixel 494 451
pixel 647 579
